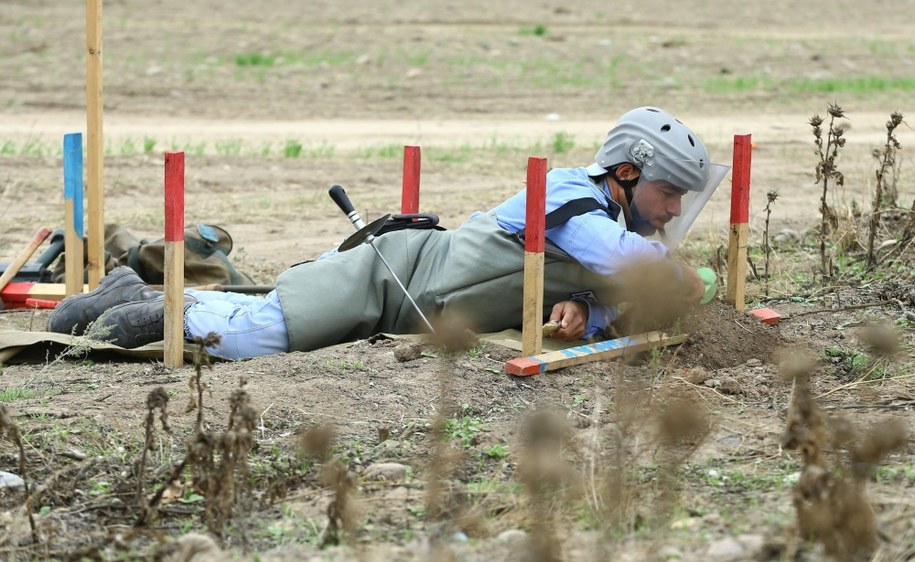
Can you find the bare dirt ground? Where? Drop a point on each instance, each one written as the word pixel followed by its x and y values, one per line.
pixel 274 103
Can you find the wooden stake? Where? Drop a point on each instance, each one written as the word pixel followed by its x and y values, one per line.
pixel 740 217
pixel 534 241
pixel 73 211
pixel 609 349
pixel 409 202
pixel 174 260
pixel 95 144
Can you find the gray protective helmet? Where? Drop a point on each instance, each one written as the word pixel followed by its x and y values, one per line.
pixel 659 145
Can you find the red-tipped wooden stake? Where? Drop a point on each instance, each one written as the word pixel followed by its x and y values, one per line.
pixel 534 224
pixel 95 192
pixel 409 202
pixel 740 218
pixel 174 260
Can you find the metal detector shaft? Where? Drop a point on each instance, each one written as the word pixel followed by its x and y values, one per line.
pixel 342 200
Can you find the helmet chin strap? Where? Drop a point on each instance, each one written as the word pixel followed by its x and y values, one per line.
pixel 634 221
pixel 624 198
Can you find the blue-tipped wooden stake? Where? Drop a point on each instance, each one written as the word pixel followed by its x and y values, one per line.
pixel 73 199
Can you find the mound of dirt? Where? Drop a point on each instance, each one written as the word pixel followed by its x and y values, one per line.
pixel 720 337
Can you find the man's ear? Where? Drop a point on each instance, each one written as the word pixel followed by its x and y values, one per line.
pixel 627 171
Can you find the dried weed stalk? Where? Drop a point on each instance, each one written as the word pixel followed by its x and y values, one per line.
pixel 155 400
pixel 908 234
pixel 830 497
pixel 551 483
pixel 771 196
pixel 10 430
pixel 652 432
pixel 882 189
pixel 452 338
pixel 194 384
pixel 316 443
pixel 218 460
pixel 342 514
pixel 826 171
pixel 683 424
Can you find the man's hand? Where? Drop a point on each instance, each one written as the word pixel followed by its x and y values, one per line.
pixel 572 317
pixel 694 286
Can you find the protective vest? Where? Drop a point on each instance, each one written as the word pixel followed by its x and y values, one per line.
pixel 474 274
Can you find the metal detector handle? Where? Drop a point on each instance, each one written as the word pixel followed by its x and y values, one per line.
pixel 339 196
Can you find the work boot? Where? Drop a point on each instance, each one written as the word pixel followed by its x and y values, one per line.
pixel 73 314
pixel 134 324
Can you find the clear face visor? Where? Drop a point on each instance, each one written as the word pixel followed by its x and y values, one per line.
pixel 691 205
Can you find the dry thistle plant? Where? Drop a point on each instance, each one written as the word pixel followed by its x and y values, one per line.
pixel 10 430
pixel 218 461
pixel 771 196
pixel 551 483
pixel 683 424
pixel 155 400
pixel 316 443
pixel 342 513
pixel 451 338
pixel 829 497
pixel 827 171
pixel 194 384
pixel 887 159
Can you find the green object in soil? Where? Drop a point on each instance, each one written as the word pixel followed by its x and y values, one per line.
pixel 710 281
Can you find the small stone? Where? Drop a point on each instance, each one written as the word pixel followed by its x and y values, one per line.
pixel 726 550
pixel 389 471
pixel 670 553
pixel 786 236
pixel 687 523
pixel 389 444
pixel 752 543
pixel 696 375
pixel 10 480
pixel 552 117
pixel 511 535
pixel 730 385
pixel 414 72
pixel 754 362
pixel 409 352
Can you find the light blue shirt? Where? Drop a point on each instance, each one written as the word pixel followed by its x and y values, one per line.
pixel 593 239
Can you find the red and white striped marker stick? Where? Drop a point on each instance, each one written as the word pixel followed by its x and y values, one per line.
pixel 534 242
pixel 174 260
pixel 740 218
pixel 409 202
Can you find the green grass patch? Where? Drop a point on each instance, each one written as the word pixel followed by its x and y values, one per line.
pixel 14 394
pixel 385 151
pixel 538 30
pixel 463 429
pixel 853 85
pixel 255 59
pixel 852 364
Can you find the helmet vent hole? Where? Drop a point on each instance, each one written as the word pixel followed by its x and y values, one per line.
pixel 691 141
pixel 665 128
pixel 653 110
